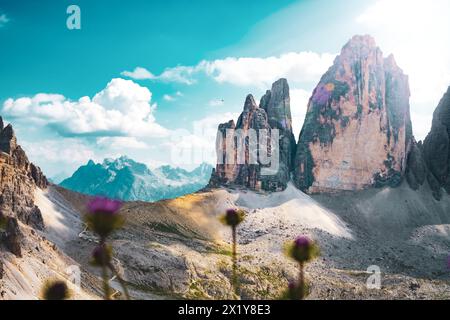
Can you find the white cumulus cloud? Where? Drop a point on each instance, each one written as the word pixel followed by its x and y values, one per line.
pixel 178 74
pixel 123 108
pixel 138 73
pixel 297 67
pixel 262 72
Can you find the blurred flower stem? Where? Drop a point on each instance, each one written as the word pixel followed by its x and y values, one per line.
pixel 301 280
pixel 234 259
pixel 106 287
pixel 302 250
pixel 103 218
pixel 233 218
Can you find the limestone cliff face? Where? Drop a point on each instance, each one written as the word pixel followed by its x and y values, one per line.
pixel 225 171
pixel 416 168
pixel 436 148
pixel 357 129
pixel 235 166
pixel 276 103
pixel 18 180
pixel 253 117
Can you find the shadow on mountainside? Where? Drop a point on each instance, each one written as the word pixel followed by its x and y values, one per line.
pixel 401 230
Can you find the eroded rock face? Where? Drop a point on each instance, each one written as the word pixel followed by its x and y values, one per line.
pixel 357 129
pixel 8 141
pixel 240 161
pixel 38 176
pixel 18 180
pixel 436 148
pixel 248 173
pixel 13 237
pixel 225 172
pixel 276 103
pixel 416 169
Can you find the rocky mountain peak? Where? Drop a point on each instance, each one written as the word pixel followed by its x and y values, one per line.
pixel 264 101
pixel 235 164
pixel 357 128
pixel 361 45
pixel 18 180
pixel 8 141
pixel 250 103
pixel 279 107
pixel 390 63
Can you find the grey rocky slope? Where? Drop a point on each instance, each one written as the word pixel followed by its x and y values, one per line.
pixel 178 249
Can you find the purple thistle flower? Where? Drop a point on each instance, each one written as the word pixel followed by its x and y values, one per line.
pixel 104 205
pixel 302 249
pixel 103 216
pixel 302 241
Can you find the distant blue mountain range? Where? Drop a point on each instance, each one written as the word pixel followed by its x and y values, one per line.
pixel 128 180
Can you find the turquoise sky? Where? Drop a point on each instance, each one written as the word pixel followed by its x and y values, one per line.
pixel 189 51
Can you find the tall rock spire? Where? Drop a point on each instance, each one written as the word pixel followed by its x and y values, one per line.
pixel 357 129
pixel 277 104
pixel 272 118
